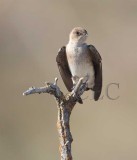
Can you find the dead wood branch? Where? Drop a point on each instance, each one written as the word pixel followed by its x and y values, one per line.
pixel 65 105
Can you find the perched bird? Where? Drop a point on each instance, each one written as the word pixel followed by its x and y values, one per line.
pixel 77 59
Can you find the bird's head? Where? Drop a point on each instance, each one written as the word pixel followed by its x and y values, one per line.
pixel 78 35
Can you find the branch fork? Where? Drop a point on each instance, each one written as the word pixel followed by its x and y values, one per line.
pixel 65 105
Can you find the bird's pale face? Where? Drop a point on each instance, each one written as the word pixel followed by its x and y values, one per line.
pixel 78 35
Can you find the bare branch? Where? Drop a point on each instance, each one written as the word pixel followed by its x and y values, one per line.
pixel 51 88
pixel 65 105
pixel 76 89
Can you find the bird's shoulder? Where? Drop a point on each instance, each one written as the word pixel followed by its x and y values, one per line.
pixel 94 53
pixel 61 54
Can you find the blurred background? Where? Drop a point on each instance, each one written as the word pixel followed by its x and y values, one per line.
pixel 31 32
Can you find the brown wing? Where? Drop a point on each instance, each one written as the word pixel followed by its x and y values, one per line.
pixel 96 58
pixel 64 70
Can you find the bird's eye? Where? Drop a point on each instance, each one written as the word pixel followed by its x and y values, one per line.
pixel 78 33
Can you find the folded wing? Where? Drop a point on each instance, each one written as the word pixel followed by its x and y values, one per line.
pixel 64 70
pixel 96 59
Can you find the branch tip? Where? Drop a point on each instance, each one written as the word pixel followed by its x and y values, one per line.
pixel 76 88
pixel 56 80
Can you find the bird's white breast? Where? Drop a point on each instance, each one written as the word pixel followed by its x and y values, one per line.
pixel 80 63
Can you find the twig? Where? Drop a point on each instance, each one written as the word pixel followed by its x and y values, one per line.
pixel 65 105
